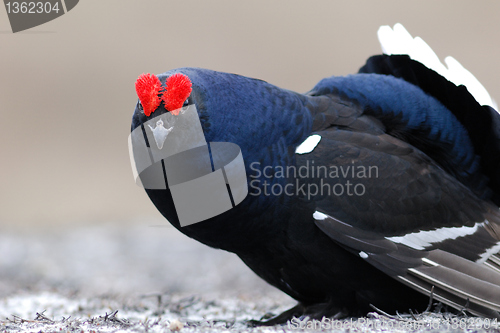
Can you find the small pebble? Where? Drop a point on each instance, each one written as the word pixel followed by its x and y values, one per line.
pixel 175 325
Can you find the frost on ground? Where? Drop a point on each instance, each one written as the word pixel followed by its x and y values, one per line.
pixel 152 313
pixel 140 278
pixel 164 313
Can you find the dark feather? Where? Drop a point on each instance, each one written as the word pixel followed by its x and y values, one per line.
pixel 428 213
pixel 481 122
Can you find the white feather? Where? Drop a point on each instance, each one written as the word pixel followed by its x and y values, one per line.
pixel 399 41
pixel 424 239
pixel 308 145
pixel 319 216
pixel 488 253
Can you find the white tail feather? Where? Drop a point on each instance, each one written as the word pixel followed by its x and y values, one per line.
pixel 399 41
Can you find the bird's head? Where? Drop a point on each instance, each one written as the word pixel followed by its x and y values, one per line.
pixel 231 108
pixel 184 109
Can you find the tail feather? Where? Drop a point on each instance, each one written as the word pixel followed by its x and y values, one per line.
pixel 447 297
pixel 482 123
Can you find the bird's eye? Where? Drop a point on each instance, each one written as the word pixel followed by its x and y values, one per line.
pixel 140 107
pixel 185 105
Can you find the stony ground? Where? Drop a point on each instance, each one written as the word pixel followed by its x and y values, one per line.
pixel 145 278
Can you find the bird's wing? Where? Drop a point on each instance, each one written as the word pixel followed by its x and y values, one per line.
pixel 451 279
pixel 428 213
pixel 406 216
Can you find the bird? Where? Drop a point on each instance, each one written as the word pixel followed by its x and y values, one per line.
pixel 376 189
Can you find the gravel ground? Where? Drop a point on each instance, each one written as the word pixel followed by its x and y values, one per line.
pixel 140 278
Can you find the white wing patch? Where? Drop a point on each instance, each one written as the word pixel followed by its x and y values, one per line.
pixel 493 250
pixel 424 239
pixel 308 145
pixel 319 216
pixel 399 41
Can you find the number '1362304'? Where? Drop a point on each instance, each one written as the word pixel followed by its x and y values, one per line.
pixel 28 14
pixel 31 7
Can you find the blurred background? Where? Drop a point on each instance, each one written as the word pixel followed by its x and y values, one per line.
pixel 67 95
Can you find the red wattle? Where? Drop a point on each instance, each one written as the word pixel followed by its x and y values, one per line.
pixel 148 87
pixel 178 89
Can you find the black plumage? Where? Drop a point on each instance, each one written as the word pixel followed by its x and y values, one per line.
pixel 428 218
